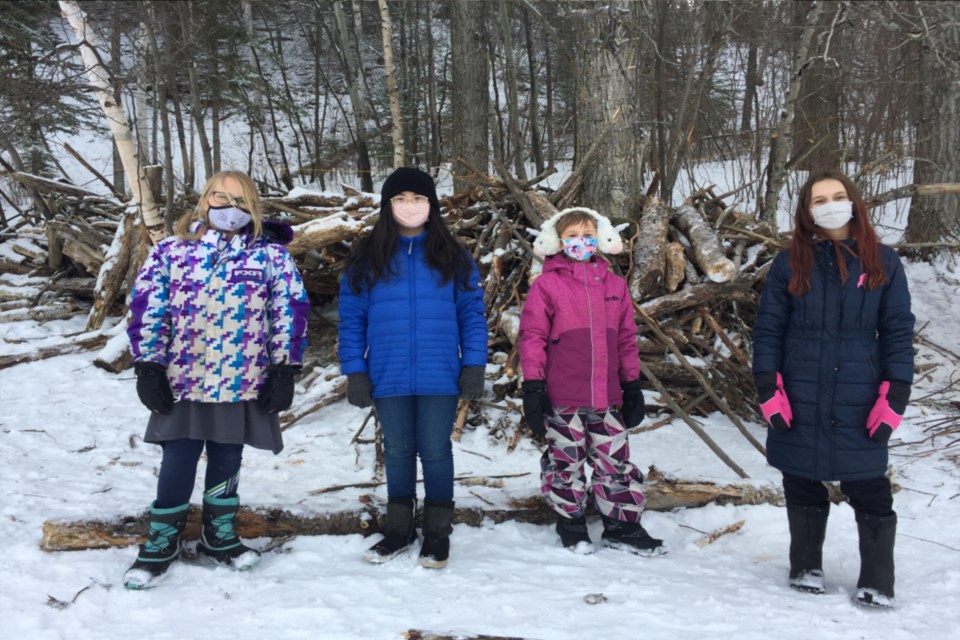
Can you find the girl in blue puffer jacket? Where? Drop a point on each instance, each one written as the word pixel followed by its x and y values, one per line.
pixel 833 365
pixel 413 339
pixel 217 331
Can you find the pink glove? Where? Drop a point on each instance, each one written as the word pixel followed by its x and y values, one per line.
pixel 773 401
pixel 887 412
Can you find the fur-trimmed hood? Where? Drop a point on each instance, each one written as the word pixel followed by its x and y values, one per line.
pixel 548 242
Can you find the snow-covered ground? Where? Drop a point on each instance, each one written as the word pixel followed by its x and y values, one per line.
pixel 71 449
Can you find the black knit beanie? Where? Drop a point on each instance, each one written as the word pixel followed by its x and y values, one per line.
pixel 409 179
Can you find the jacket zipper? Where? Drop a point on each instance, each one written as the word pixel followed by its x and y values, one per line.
pixel 411 278
pixel 593 354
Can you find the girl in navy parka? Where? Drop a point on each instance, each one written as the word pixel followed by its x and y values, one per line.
pixel 413 339
pixel 833 365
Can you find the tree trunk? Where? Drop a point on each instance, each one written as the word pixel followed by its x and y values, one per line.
pixel 816 129
pixel 612 185
pixel 937 156
pixel 533 100
pixel 780 140
pixel 355 82
pixel 470 94
pixel 117 119
pixel 647 274
pixel 515 147
pixel 386 34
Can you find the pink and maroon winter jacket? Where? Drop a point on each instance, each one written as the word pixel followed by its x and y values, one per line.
pixel 577 333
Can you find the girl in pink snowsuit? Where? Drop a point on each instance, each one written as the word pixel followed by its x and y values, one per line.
pixel 578 351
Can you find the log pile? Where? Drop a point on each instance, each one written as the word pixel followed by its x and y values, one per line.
pixel 694 272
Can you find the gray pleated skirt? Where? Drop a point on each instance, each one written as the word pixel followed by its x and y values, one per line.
pixel 223 422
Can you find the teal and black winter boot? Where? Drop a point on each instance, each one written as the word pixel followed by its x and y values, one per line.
pixel 219 543
pixel 161 549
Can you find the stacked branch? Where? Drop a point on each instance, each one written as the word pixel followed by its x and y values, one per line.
pixel 694 272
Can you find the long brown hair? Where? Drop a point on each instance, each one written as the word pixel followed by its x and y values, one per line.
pixel 805 236
pixel 250 195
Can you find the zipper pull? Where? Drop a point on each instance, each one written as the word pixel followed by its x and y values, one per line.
pixel 410 249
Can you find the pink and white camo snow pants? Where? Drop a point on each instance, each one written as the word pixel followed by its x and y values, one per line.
pixel 579 434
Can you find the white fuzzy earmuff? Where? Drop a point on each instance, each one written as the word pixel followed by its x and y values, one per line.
pixel 548 242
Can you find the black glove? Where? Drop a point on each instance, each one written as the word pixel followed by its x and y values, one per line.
pixel 634 407
pixel 471 383
pixel 276 394
pixel 359 390
pixel 536 406
pixel 153 388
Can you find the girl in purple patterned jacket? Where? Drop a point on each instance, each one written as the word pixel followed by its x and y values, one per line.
pixel 578 351
pixel 217 330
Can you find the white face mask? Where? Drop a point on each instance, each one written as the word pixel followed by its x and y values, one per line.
pixel 832 215
pixel 228 218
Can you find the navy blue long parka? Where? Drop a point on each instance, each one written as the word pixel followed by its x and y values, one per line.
pixel 833 346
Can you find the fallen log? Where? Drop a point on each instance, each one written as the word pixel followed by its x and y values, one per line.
pixel 709 251
pixel 662 494
pixel 420 634
pixel 325 231
pixel 739 288
pixel 649 259
pixel 93 342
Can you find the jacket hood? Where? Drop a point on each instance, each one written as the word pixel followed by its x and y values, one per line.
pixel 278 232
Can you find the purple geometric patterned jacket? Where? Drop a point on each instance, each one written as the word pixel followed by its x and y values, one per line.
pixel 216 319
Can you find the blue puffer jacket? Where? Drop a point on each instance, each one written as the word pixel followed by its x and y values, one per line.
pixel 834 346
pixel 409 332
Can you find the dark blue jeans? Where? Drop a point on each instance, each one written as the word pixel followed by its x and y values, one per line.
pixel 412 426
pixel 178 470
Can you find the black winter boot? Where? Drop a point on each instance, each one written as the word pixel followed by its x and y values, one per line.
pixel 161 549
pixel 398 534
pixel 877 535
pixel 573 534
pixel 632 537
pixel 808 526
pixel 437 527
pixel 219 543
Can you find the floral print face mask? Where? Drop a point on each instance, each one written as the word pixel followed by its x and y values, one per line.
pixel 580 249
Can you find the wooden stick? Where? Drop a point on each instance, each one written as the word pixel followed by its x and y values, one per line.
pixel 713 535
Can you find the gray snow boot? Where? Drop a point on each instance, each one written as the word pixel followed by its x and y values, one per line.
pixel 398 534
pixel 808 527
pixel 437 527
pixel 161 549
pixel 877 535
pixel 219 543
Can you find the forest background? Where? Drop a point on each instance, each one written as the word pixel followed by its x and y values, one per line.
pixel 643 107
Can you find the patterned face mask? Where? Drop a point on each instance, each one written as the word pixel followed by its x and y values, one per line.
pixel 580 249
pixel 228 218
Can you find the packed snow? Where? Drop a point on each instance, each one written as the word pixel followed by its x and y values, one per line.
pixel 71 442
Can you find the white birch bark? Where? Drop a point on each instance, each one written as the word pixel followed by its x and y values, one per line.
pixel 386 32
pixel 117 119
pixel 706 245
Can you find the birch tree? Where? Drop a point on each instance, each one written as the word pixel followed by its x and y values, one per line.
pixel 386 33
pixel 116 118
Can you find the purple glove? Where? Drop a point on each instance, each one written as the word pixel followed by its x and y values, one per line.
pixel 887 413
pixel 773 401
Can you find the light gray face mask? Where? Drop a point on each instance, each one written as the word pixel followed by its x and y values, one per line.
pixel 228 218
pixel 832 215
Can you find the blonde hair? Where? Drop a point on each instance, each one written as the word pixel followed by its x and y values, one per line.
pixel 250 195
pixel 572 218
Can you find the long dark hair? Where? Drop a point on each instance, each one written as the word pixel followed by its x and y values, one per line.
pixel 805 236
pixel 372 258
